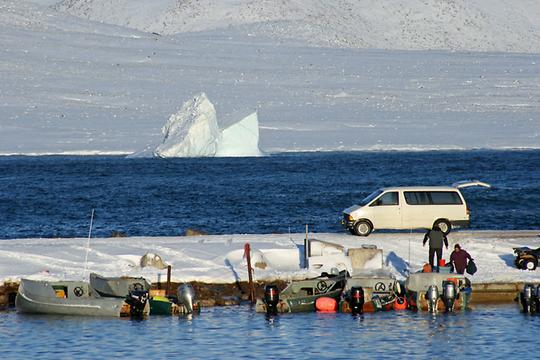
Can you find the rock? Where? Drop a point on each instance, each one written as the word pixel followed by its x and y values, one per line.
pixel 154 260
pixel 116 234
pixel 195 232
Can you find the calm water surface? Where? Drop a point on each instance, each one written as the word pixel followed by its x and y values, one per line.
pixel 497 332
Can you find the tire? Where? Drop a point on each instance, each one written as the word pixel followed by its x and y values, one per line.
pixel 530 264
pixel 363 228
pixel 444 225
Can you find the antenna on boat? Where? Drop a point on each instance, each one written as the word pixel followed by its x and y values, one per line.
pixel 88 242
pixel 410 236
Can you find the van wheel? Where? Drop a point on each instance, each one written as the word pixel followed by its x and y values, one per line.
pixel 444 225
pixel 530 264
pixel 363 228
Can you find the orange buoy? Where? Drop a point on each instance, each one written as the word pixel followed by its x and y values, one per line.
pixel 326 305
pixel 400 304
pixel 426 268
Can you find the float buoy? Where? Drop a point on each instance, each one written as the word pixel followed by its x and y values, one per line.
pixel 326 305
pixel 400 303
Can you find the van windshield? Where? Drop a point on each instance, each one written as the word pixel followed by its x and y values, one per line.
pixel 370 197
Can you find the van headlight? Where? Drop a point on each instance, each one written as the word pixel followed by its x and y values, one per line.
pixel 348 217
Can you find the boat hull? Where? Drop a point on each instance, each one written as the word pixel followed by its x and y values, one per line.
pixel 65 298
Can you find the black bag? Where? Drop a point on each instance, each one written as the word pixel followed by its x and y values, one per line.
pixel 471 268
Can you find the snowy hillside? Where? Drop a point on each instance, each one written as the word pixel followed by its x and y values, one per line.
pixel 69 85
pixel 478 25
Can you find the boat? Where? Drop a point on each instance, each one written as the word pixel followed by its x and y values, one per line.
pixel 74 298
pixel 118 286
pixel 160 302
pixel 380 290
pixel 438 291
pixel 301 295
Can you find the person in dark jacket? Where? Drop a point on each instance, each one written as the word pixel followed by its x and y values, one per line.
pixel 460 258
pixel 436 239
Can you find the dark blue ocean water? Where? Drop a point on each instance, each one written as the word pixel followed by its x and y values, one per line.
pixel 492 332
pixel 52 196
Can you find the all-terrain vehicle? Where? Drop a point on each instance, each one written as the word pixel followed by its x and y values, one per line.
pixel 526 258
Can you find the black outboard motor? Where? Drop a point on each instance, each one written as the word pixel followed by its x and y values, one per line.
pixel 271 299
pixel 537 299
pixel 432 296
pixel 137 301
pixel 356 300
pixel 528 299
pixel 449 295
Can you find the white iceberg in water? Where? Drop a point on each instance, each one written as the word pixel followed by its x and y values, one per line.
pixel 191 132
pixel 194 132
pixel 241 138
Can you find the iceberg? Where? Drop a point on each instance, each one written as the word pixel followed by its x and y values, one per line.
pixel 191 132
pixel 194 132
pixel 241 138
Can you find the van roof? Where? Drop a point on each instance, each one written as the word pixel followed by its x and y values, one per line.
pixel 420 188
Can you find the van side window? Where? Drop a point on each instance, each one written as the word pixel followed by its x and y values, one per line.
pixel 390 198
pixel 417 197
pixel 432 198
pixel 445 198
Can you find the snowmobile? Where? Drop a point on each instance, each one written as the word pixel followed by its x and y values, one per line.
pixel 526 258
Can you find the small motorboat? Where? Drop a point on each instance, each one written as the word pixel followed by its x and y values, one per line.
pixel 74 298
pixel 160 303
pixel 438 291
pixel 379 290
pixel 301 295
pixel 118 286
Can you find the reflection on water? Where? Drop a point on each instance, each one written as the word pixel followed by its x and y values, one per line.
pixel 239 332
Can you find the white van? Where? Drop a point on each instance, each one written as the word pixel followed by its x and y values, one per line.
pixel 410 208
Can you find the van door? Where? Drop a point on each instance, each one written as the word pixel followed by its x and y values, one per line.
pixel 386 211
pixel 415 212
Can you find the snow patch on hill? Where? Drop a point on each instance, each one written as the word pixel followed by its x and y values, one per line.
pixel 478 25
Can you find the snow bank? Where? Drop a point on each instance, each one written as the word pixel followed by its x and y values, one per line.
pixel 220 259
pixel 194 132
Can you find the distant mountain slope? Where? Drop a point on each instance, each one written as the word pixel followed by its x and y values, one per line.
pixel 478 25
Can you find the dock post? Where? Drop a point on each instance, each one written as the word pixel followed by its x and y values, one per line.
pixel 247 254
pixel 168 288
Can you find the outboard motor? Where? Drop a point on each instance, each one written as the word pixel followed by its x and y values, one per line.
pixel 537 299
pixel 432 296
pixel 271 299
pixel 528 299
pixel 449 295
pixel 137 301
pixel 399 289
pixel 186 297
pixel 356 300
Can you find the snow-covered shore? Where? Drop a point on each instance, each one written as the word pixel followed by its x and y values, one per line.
pixel 219 258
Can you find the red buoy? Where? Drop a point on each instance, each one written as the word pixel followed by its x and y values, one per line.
pixel 400 304
pixel 326 305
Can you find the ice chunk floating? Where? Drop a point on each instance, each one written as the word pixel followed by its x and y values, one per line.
pixel 194 132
